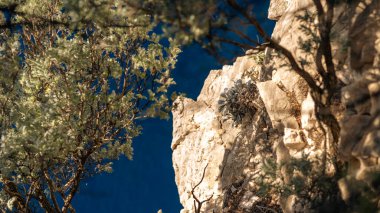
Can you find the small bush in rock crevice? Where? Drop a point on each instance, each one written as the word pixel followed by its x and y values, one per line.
pixel 239 101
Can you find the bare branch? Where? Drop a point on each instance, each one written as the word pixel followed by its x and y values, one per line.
pixel 42 199
pixel 52 190
pixel 241 35
pixel 197 203
pixel 236 43
pixel 266 209
pixel 73 190
pixel 324 27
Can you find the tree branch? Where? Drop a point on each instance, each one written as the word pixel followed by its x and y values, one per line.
pixel 11 189
pixel 73 190
pixel 41 197
pixel 52 190
pixel 238 44
pixel 197 203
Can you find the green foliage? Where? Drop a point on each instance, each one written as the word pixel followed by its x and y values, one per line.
pixel 74 78
pixel 303 177
pixel 239 101
pixel 259 58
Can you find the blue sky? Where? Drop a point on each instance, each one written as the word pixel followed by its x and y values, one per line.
pixel 146 184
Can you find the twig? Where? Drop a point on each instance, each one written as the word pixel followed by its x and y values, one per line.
pixel 197 203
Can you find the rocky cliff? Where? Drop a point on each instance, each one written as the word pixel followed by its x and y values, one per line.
pixel 252 141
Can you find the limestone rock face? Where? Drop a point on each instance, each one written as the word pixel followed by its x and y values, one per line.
pixel 203 140
pixel 282 140
pixel 277 9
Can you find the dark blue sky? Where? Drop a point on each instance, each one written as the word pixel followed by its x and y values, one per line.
pixel 146 184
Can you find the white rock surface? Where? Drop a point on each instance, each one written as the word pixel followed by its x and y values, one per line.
pixel 201 137
pixel 286 126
